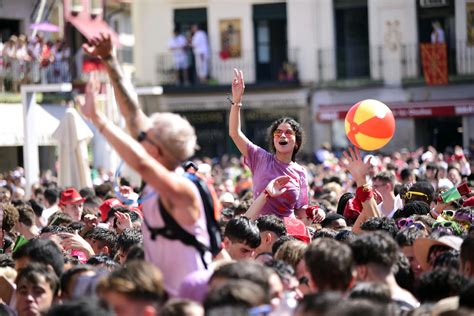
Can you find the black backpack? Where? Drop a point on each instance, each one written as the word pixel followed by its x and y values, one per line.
pixel 172 230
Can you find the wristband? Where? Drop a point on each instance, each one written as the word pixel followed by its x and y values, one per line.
pixel 364 193
pixel 233 103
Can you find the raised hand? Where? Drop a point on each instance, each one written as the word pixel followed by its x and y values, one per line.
pixel 355 165
pixel 276 187
pixel 238 86
pixel 123 221
pixel 100 46
pixel 89 107
pixel 73 241
pixel 91 222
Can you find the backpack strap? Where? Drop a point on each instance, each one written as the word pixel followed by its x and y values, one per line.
pixel 212 226
pixel 172 230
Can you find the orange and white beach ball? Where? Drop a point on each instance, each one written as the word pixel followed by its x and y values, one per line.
pixel 369 124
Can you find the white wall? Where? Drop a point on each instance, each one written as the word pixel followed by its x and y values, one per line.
pixel 152 24
pixel 300 17
pixel 391 24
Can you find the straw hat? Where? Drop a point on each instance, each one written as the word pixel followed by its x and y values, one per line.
pixel 422 247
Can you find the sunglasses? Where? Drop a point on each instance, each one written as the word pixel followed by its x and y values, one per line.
pixel 449 226
pixel 408 222
pixel 279 133
pixel 448 214
pixel 410 194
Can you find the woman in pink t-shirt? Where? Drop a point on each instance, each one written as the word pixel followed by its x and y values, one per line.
pixel 286 137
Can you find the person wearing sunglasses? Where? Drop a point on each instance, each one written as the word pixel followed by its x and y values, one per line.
pixel 419 191
pixel 286 136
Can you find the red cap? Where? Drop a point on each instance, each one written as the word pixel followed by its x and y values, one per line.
pixel 105 207
pixel 297 229
pixel 70 196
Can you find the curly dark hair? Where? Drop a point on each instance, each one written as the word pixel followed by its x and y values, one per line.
pixel 297 128
pixel 380 224
pixel 377 248
pixel 438 284
pixel 412 208
pixel 408 235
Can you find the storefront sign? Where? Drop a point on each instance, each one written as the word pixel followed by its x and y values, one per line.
pixel 433 3
pixel 329 113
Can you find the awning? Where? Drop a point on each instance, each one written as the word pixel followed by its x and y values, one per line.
pixel 11 124
pixel 93 27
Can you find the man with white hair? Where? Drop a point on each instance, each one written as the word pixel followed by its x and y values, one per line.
pixel 157 146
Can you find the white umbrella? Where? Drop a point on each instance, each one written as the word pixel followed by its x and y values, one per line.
pixel 73 135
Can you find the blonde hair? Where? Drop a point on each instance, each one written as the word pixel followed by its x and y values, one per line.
pixel 176 135
pixel 9 273
pixel 291 252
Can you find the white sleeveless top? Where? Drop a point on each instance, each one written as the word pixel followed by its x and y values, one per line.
pixel 175 259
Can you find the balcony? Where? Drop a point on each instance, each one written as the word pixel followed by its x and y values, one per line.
pixel 15 72
pixel 460 63
pixel 352 67
pixel 279 72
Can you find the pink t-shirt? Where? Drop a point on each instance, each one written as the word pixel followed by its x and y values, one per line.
pixel 175 259
pixel 265 167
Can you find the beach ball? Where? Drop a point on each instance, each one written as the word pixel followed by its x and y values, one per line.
pixel 369 124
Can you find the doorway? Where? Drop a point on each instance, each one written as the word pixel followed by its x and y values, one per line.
pixel 352 39
pixel 270 33
pixel 183 20
pixel 8 28
pixel 440 132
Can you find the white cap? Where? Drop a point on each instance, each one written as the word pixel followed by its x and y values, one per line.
pixel 227 197
pixel 204 168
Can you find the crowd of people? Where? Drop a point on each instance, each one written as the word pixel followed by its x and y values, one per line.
pixel 348 235
pixel 34 60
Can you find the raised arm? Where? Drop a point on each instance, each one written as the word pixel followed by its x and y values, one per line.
pixel 274 188
pixel 359 170
pixel 235 132
pixel 125 95
pixel 177 193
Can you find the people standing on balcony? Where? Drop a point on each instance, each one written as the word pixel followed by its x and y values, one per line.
pixel 200 47
pixel 36 46
pixel 8 55
pixel 437 35
pixel 46 58
pixel 178 44
pixel 285 138
pixel 61 55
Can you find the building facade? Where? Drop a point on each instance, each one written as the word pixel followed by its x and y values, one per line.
pixel 71 21
pixel 312 59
